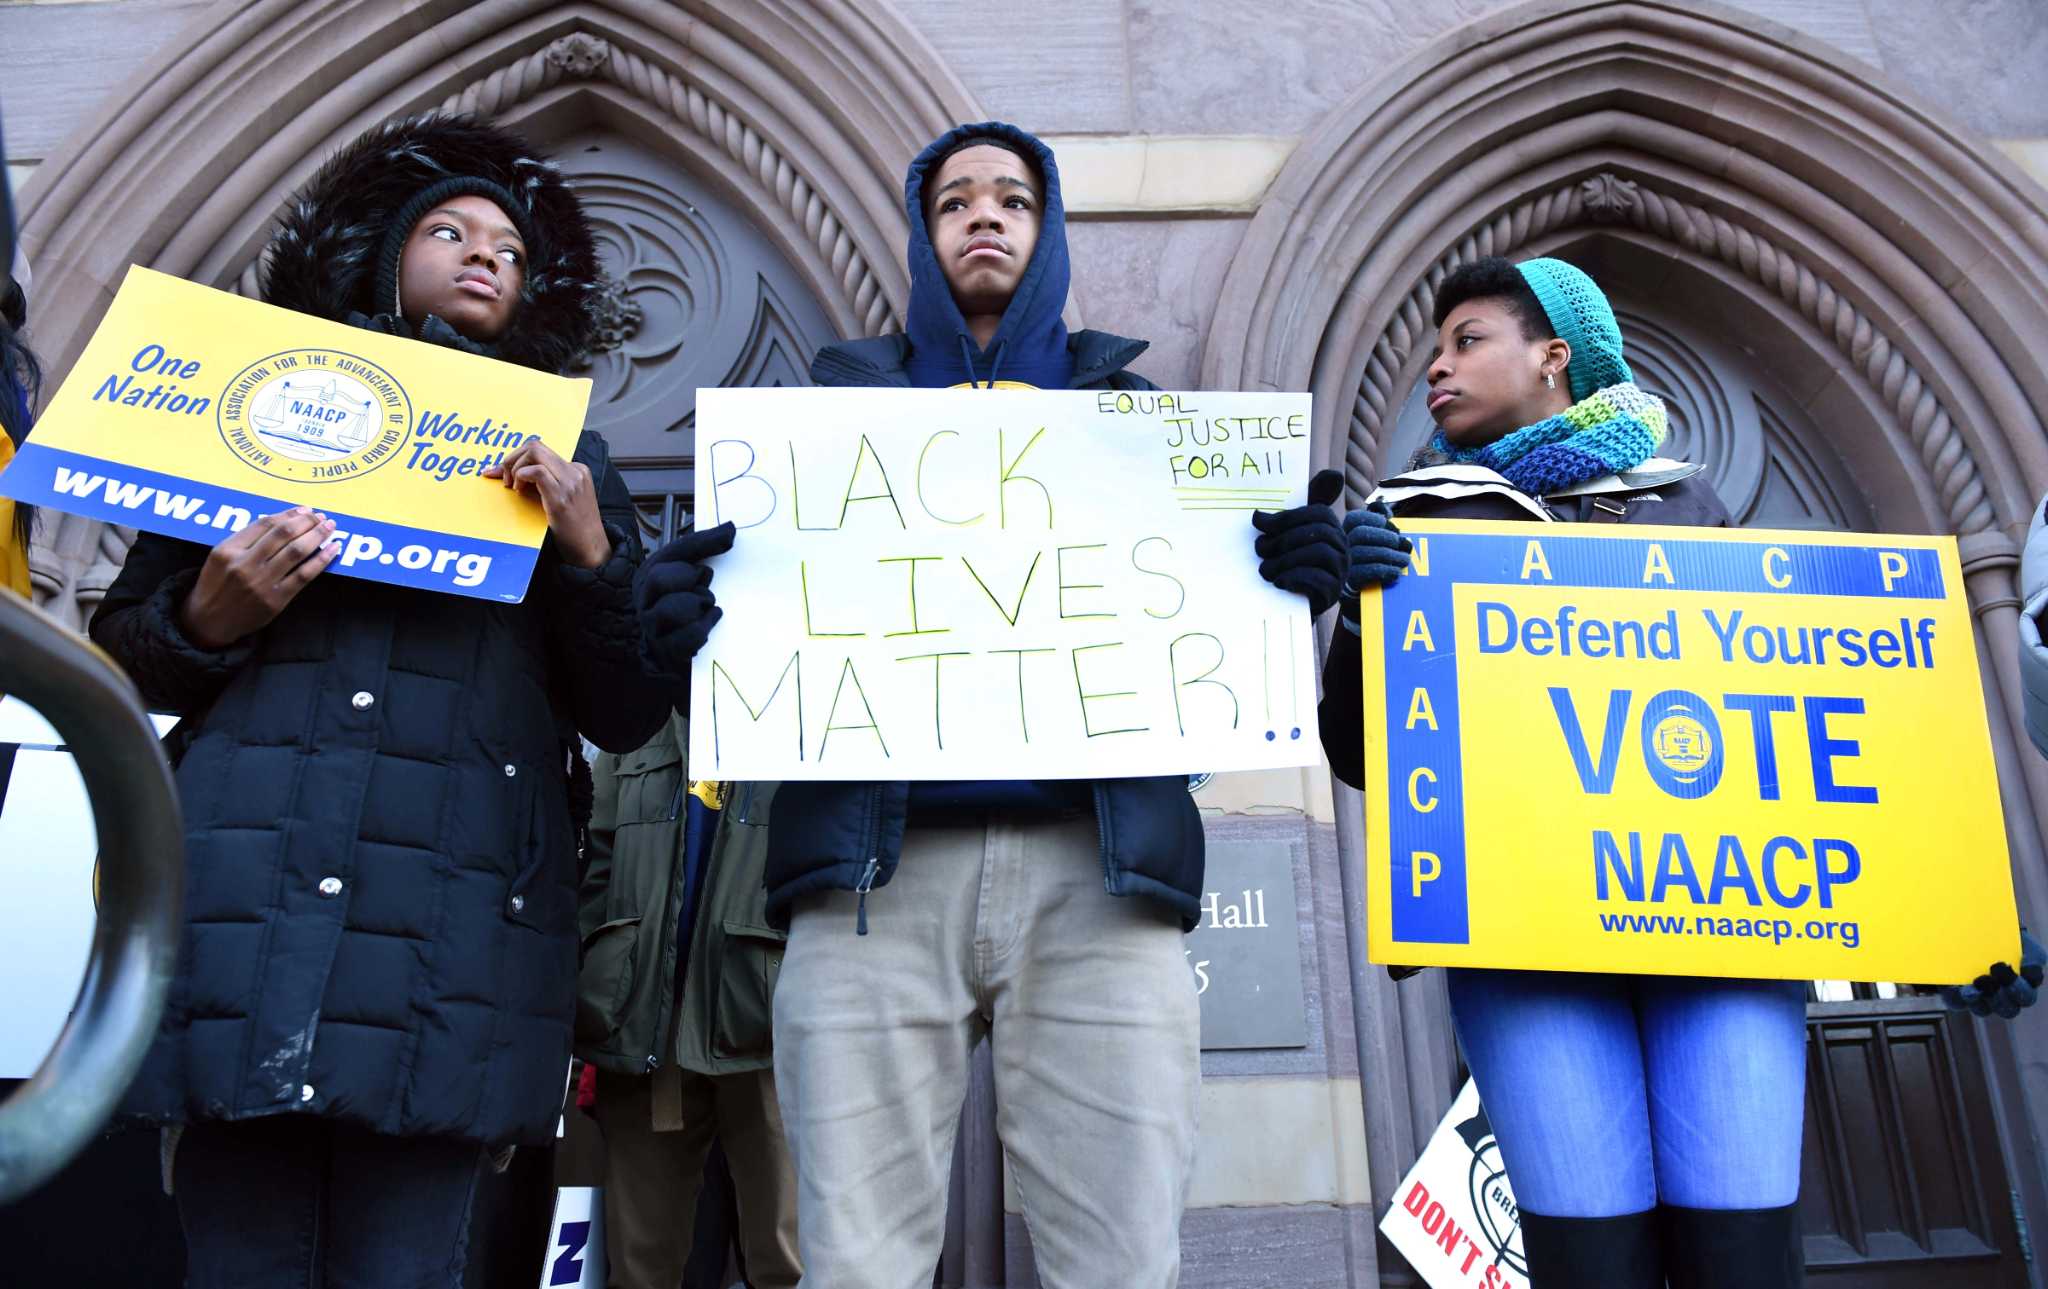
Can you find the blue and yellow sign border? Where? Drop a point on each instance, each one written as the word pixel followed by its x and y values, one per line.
pixel 1446 886
pixel 192 411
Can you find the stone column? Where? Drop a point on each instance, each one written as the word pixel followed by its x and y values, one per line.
pixel 2019 1084
pixel 1990 562
pixel 1407 1057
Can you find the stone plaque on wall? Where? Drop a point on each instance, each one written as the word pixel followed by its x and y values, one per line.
pixel 1246 953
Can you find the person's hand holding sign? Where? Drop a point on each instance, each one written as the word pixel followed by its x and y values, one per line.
pixel 2002 991
pixel 1375 555
pixel 1301 550
pixel 248 579
pixel 677 610
pixel 566 493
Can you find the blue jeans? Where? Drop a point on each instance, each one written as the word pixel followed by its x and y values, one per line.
pixel 1611 1095
pixel 298 1202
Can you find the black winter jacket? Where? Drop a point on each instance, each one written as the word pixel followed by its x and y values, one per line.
pixel 381 875
pixel 849 836
pixel 380 894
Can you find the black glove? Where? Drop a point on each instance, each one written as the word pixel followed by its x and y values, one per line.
pixel 1375 554
pixel 672 591
pixel 2002 991
pixel 1302 550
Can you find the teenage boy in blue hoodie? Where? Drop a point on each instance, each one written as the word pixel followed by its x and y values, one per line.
pixel 923 916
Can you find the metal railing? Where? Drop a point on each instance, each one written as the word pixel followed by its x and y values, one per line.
pixel 96 711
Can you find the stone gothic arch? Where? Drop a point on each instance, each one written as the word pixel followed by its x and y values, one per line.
pixel 1912 255
pixel 798 113
pixel 1875 259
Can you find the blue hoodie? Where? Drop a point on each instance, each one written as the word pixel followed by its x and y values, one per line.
pixel 849 836
pixel 1030 346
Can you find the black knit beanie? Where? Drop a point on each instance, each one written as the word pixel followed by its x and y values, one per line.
pixel 427 198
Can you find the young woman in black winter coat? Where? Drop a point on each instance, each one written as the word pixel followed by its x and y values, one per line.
pixel 377 981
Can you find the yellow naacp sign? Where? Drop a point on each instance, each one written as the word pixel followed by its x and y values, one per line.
pixel 192 411
pixel 1681 751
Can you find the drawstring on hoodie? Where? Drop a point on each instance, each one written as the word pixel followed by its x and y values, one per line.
pixel 995 367
pixel 967 357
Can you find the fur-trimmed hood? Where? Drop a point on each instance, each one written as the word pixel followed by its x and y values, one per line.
pixel 323 258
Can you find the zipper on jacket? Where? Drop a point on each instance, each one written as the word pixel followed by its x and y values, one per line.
pixel 1102 835
pixel 861 888
pixel 871 842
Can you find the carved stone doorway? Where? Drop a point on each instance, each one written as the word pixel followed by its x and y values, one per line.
pixel 1876 262
pixel 694 296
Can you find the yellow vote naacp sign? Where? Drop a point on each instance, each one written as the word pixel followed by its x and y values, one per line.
pixel 192 411
pixel 1681 751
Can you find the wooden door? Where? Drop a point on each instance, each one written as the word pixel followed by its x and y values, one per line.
pixel 1902 1177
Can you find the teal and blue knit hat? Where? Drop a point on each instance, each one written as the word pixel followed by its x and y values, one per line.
pixel 1582 318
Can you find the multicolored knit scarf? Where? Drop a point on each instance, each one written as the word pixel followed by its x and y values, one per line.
pixel 1610 430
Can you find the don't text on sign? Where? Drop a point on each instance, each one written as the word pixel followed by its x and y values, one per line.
pixel 193 411
pixel 1454 1217
pixel 1681 751
pixel 998 584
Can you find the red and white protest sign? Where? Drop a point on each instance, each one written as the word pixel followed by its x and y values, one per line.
pixel 1454 1216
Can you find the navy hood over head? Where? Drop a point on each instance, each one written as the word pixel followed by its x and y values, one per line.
pixel 1031 344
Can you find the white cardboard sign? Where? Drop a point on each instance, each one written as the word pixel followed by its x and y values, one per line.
pixel 999 584
pixel 1454 1216
pixel 576 1240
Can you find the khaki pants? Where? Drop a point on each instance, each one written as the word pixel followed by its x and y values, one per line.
pixel 1091 1011
pixel 652 1179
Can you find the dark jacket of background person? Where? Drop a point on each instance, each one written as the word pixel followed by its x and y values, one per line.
pixel 849 836
pixel 1617 499
pixel 381 889
pixel 637 892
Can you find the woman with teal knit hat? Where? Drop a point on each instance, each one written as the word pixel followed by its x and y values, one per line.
pixel 1587 425
pixel 1651 1124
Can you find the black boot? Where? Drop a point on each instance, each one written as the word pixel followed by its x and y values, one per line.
pixel 1744 1248
pixel 1593 1252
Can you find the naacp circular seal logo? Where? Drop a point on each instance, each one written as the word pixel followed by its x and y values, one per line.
pixel 314 415
pixel 1683 743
